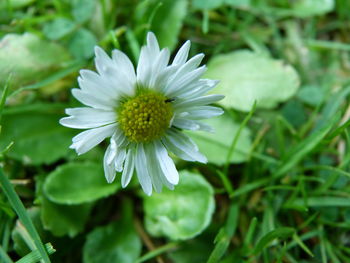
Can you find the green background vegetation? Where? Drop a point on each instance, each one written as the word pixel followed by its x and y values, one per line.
pixel 276 188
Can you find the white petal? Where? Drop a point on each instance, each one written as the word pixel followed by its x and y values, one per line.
pixel 119 160
pixel 124 64
pixel 120 138
pixel 92 101
pixel 109 167
pixel 159 66
pixel 102 60
pixel 92 83
pixel 113 152
pixel 148 55
pixel 197 88
pixel 190 65
pixel 203 112
pixel 182 146
pixel 205 127
pixel 185 124
pixel 182 54
pixel 152 44
pixel 187 79
pixel 166 163
pixel 142 171
pixel 117 79
pixel 143 66
pixel 129 167
pixel 86 140
pixel 199 101
pixel 155 172
pixel 85 118
pixel 164 77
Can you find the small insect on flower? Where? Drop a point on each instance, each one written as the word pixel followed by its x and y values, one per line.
pixel 143 113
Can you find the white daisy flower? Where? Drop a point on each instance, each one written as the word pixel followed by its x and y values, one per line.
pixel 144 113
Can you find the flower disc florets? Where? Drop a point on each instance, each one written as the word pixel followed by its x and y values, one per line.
pixel 145 117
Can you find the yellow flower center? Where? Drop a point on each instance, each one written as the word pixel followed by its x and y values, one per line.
pixel 145 117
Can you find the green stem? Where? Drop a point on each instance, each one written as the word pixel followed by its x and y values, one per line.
pixel 18 206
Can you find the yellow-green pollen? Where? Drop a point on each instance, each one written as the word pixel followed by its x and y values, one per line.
pixel 145 117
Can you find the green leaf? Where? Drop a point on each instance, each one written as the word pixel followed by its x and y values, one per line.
pixel 63 220
pixel 82 10
pixel 37 135
pixel 306 8
pixel 311 95
pixel 246 77
pixel 115 242
pixel 15 3
pixel 183 213
pixel 58 28
pixel 168 21
pixel 28 58
pixel 294 112
pixel 77 183
pixel 82 44
pixel 282 232
pixel 215 146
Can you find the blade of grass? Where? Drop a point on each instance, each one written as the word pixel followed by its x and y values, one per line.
pixel 4 257
pixel 235 139
pixel 223 238
pixel 156 252
pixel 330 252
pixel 323 201
pixel 18 206
pixel 298 152
pixel 4 96
pixel 301 244
pixel 35 256
pixel 250 187
pixel 282 232
pixel 226 182
pixel 313 43
pixel 249 236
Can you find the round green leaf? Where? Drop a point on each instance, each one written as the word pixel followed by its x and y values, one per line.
pixel 246 77
pixel 77 183
pixel 82 10
pixel 182 213
pixel 63 220
pixel 311 95
pixel 38 138
pixel 307 8
pixel 28 58
pixel 116 242
pixel 58 28
pixel 82 44
pixel 215 146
